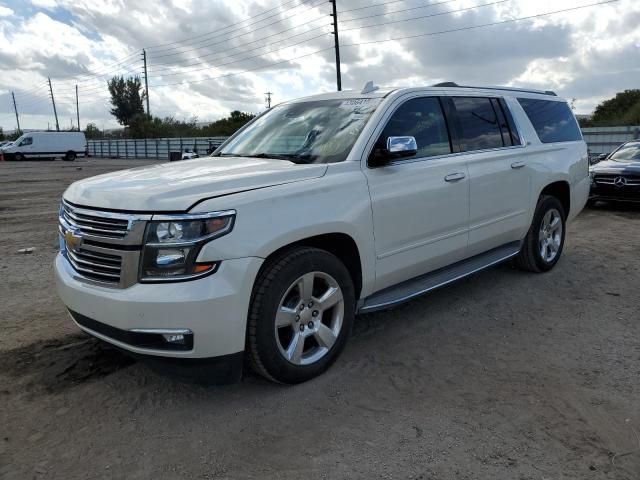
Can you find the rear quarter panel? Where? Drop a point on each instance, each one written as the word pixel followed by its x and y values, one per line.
pixel 553 162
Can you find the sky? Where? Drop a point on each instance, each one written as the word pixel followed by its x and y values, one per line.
pixel 209 57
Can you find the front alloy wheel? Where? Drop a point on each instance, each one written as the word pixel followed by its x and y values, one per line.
pixel 309 319
pixel 301 312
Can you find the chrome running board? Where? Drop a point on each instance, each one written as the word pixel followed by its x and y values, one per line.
pixel 405 291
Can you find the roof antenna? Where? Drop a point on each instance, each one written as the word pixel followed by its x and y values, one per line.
pixel 369 87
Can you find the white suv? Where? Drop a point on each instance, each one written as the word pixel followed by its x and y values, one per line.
pixel 319 209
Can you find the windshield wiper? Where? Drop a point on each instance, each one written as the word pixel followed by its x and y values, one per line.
pixel 292 157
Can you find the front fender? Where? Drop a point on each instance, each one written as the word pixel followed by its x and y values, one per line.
pixel 272 218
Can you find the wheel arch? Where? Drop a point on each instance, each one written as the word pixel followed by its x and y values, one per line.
pixel 340 244
pixel 562 191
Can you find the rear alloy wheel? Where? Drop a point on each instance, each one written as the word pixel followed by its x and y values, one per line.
pixel 70 156
pixel 301 314
pixel 542 247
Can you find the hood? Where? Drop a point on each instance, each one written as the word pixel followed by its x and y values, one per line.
pixel 612 166
pixel 177 186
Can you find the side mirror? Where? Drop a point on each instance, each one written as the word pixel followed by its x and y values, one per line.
pixel 397 147
pixel 402 146
pixel 602 156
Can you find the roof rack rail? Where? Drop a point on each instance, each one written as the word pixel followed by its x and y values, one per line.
pixel 511 89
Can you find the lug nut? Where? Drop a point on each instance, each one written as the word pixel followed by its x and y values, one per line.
pixel 302 327
pixel 302 307
pixel 315 313
pixel 310 304
pixel 297 318
pixel 310 324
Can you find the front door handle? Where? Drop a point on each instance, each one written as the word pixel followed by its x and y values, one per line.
pixel 454 177
pixel 518 164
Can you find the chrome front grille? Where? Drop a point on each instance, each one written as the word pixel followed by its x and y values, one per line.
pixel 610 179
pixel 96 266
pixel 102 247
pixel 97 223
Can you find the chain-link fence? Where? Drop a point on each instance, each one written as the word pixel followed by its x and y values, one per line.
pixel 152 147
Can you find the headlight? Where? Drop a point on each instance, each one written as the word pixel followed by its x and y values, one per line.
pixel 591 175
pixel 173 242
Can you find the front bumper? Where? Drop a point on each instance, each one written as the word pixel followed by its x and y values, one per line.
pixel 214 308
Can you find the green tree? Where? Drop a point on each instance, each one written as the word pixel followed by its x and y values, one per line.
pixel 1 134
pixel 126 98
pixel 621 110
pixel 92 132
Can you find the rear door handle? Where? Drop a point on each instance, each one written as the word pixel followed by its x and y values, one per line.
pixel 454 177
pixel 518 164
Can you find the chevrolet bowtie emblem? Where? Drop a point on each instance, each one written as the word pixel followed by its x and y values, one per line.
pixel 72 240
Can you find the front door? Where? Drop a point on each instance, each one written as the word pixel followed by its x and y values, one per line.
pixel 420 203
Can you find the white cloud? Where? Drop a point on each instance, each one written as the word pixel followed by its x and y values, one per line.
pixel 5 11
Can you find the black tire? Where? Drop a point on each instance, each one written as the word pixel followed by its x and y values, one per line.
pixel 18 157
pixel 272 284
pixel 530 257
pixel 70 156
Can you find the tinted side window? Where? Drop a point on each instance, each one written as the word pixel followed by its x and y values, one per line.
pixel 26 141
pixel 423 119
pixel 480 128
pixel 553 121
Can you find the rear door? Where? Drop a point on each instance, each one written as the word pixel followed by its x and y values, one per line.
pixel 499 178
pixel 421 203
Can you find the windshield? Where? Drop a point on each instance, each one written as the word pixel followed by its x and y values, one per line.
pixel 626 153
pixel 321 131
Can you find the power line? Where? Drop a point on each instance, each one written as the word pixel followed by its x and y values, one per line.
pixel 472 27
pixel 242 47
pixel 397 11
pixel 406 37
pixel 248 33
pixel 244 71
pixel 209 67
pixel 369 6
pixel 336 46
pixel 422 16
pixel 228 26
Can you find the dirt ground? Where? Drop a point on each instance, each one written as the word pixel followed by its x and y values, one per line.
pixel 505 375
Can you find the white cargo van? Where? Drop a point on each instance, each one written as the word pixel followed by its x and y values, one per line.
pixel 66 145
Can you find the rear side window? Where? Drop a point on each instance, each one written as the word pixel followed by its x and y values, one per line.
pixel 553 121
pixel 423 119
pixel 479 124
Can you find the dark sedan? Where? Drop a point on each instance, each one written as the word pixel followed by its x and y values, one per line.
pixel 617 176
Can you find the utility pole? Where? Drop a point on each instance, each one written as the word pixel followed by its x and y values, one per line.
pixel 337 43
pixel 268 99
pixel 53 101
pixel 16 110
pixel 146 78
pixel 77 108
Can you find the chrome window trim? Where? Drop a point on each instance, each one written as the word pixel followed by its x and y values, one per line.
pixel 391 109
pixel 449 155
